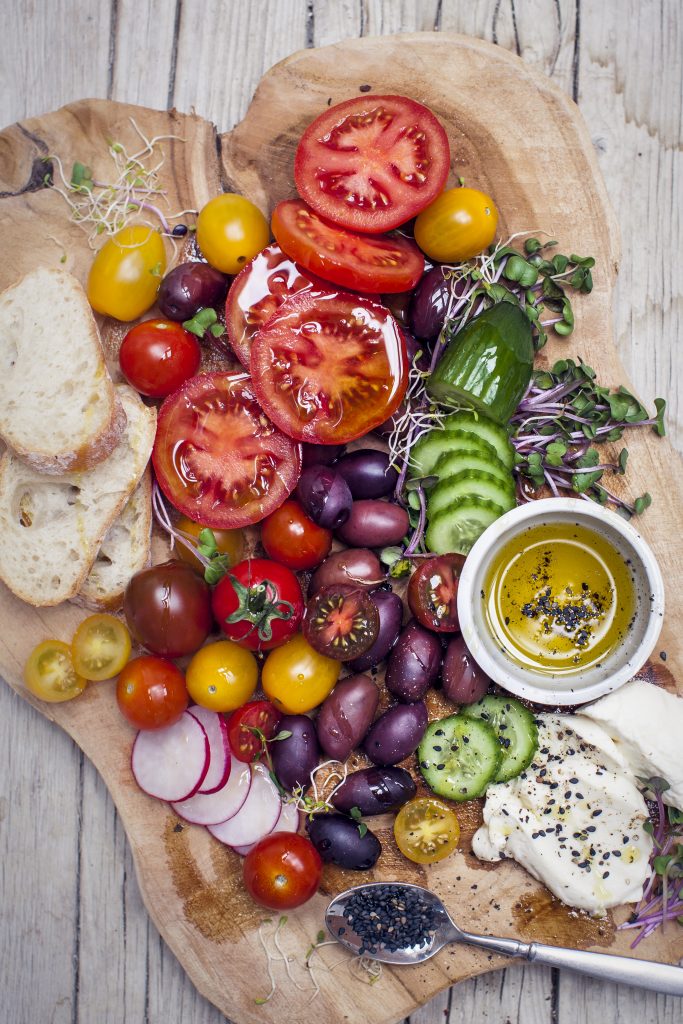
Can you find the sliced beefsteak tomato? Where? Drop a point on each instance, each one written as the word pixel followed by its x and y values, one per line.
pixel 329 368
pixel 366 263
pixel 372 162
pixel 257 291
pixel 218 459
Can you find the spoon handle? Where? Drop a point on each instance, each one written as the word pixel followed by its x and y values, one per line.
pixel 605 966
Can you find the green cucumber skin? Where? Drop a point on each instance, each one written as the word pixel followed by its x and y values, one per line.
pixel 524 728
pixel 435 445
pixel 482 747
pixel 488 364
pixel 467 483
pixel 460 459
pixel 444 534
pixel 485 429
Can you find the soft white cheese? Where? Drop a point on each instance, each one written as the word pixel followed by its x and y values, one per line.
pixel 573 819
pixel 646 726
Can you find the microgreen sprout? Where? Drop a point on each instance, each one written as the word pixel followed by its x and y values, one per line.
pixel 203 321
pixel 357 817
pixel 203 547
pixel 311 799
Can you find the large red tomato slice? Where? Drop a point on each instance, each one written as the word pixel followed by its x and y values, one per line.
pixel 372 162
pixel 329 368
pixel 257 291
pixel 217 457
pixel 366 263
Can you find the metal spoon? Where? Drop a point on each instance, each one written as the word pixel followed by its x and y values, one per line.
pixel 605 966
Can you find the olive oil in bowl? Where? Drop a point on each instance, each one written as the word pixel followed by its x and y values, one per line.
pixel 559 598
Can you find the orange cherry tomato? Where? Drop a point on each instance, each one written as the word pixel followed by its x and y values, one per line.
pixel 459 224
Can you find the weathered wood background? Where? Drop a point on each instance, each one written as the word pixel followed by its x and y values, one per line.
pixel 76 946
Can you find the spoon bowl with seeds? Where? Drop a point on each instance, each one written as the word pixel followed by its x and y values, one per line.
pixel 401 923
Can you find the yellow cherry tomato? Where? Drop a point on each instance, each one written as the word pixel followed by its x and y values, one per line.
pixel 296 678
pixel 228 542
pixel 50 675
pixel 230 231
pixel 459 224
pixel 126 273
pixel 100 647
pixel 426 830
pixel 222 676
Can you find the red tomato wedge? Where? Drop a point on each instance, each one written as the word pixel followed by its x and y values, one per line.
pixel 217 457
pixel 372 163
pixel 366 263
pixel 257 291
pixel 329 368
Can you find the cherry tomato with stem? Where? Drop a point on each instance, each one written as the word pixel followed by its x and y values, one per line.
pixel 294 540
pixel 151 692
pixel 249 726
pixel 433 593
pixel 157 356
pixel 282 871
pixel 258 604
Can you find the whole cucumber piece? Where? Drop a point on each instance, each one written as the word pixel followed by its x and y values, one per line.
pixel 487 365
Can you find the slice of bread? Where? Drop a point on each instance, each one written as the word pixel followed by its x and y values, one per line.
pixel 58 406
pixel 51 527
pixel 125 550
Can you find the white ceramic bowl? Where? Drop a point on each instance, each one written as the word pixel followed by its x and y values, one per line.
pixel 583 685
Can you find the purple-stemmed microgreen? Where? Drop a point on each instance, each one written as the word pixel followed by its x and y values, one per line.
pixel 203 547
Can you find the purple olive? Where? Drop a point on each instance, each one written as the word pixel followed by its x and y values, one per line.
pixel 375 523
pixel 320 454
pixel 390 609
pixel 346 716
pixel 462 679
pixel 374 790
pixel 338 840
pixel 357 565
pixel 325 496
pixel 368 473
pixel 190 287
pixel 397 733
pixel 429 307
pixel 414 663
pixel 295 758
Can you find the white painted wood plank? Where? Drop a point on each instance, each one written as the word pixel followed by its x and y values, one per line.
pixel 143 51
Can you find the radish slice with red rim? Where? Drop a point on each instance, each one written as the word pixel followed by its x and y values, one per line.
pixel 171 763
pixel 216 729
pixel 257 816
pixel 288 820
pixel 243 850
pixel 222 804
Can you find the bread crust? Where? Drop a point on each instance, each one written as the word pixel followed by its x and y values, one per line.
pixel 86 456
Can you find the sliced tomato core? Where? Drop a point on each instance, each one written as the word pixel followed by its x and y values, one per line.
pixel 328 369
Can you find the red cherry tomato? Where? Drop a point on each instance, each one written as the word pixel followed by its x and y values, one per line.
pixel 290 537
pixel 329 368
pixel 258 604
pixel 258 714
pixel 216 456
pixel 282 871
pixel 157 356
pixel 372 162
pixel 151 692
pixel 366 263
pixel 257 291
pixel 433 593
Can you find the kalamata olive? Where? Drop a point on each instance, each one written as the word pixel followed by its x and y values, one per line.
pixel 325 496
pixel 168 609
pixel 346 716
pixel 375 790
pixel 190 287
pixel 429 307
pixel 320 454
pixel 462 679
pixel 398 305
pixel 397 733
pixel 338 841
pixel 375 523
pixel 390 609
pixel 419 350
pixel 368 473
pixel 295 758
pixel 357 565
pixel 414 663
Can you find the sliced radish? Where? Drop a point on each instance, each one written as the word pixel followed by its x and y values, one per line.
pixel 171 763
pixel 243 850
pixel 216 729
pixel 288 821
pixel 222 804
pixel 258 814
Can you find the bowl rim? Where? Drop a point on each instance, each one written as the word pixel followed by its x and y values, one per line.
pixel 515 678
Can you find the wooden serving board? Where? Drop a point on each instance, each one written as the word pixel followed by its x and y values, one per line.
pixel 514 135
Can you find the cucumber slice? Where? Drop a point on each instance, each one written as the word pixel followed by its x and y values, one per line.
pixel 515 728
pixel 456 528
pixel 486 430
pixel 460 459
pixel 458 757
pixel 471 482
pixel 437 444
pixel 487 365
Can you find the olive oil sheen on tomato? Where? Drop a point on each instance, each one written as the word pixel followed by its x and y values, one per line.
pixel 559 598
